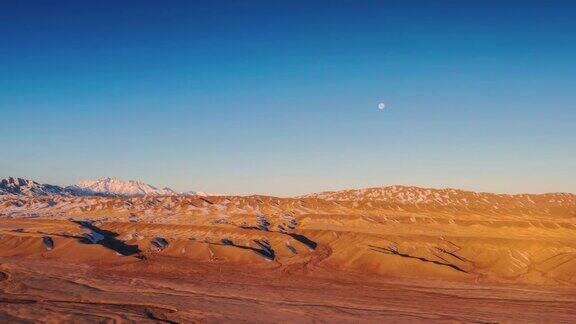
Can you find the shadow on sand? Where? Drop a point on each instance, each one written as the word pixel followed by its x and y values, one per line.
pixel 304 240
pixel 264 251
pixel 394 251
pixel 107 239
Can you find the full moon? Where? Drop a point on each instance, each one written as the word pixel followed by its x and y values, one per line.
pixel 381 106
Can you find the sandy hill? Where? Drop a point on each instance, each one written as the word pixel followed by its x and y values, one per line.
pixel 355 236
pixel 448 197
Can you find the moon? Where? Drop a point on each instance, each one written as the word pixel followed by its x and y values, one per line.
pixel 381 106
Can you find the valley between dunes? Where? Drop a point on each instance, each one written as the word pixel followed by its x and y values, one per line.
pixel 415 255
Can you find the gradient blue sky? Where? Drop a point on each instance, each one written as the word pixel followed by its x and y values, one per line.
pixel 280 97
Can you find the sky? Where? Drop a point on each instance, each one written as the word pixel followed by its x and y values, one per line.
pixel 281 97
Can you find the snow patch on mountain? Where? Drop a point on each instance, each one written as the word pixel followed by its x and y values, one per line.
pixel 106 187
pixel 24 187
pixel 114 186
pixel 198 193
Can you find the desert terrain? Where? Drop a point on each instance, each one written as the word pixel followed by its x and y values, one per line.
pixel 390 254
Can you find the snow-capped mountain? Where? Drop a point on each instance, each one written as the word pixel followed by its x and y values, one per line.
pixel 106 187
pixel 24 187
pixel 197 193
pixel 117 187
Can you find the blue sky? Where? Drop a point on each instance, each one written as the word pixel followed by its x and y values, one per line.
pixel 280 97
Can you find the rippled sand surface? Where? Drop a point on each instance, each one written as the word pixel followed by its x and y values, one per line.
pixel 169 290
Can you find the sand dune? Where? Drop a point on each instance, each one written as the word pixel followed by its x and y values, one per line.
pixel 337 256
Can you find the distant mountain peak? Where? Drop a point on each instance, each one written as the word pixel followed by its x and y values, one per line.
pixel 118 187
pixel 25 187
pixel 109 186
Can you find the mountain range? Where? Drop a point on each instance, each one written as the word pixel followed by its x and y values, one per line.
pixel 446 197
pixel 401 195
pixel 111 187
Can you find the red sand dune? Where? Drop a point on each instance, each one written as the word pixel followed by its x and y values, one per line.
pixel 398 254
